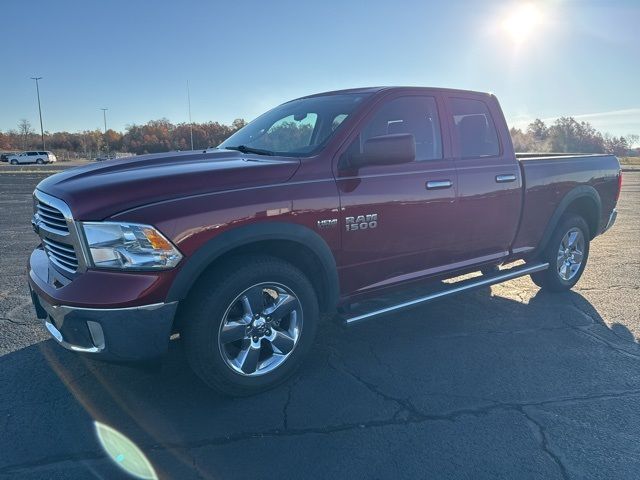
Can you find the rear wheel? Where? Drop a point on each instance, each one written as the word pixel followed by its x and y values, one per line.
pixel 248 328
pixel 566 253
pixel 14 162
pixel 39 161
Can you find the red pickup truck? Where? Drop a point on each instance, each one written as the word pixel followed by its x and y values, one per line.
pixel 315 207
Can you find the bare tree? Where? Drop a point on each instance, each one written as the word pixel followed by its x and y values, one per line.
pixel 633 140
pixel 24 130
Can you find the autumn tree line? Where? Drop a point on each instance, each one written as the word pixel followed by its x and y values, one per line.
pixel 153 137
pixel 565 134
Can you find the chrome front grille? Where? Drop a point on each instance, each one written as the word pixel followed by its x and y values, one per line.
pixel 51 217
pixel 61 254
pixel 53 222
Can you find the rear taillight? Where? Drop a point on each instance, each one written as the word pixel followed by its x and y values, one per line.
pixel 619 185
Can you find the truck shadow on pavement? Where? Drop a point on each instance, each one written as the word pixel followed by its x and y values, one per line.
pixel 470 355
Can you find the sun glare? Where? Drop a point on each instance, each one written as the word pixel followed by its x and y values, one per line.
pixel 522 21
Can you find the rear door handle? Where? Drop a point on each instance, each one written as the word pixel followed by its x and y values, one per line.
pixel 438 184
pixel 505 178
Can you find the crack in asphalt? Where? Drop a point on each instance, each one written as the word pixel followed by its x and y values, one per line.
pixel 404 403
pixel 415 418
pixel 15 322
pixel 543 439
pixel 607 343
pixel 609 287
pixel 585 330
pixel 285 408
pixel 413 414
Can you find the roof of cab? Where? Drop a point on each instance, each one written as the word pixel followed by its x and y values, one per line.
pixel 393 88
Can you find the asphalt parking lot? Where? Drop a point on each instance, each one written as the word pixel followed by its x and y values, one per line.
pixel 506 382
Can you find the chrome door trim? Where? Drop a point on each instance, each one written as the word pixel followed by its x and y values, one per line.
pixel 510 177
pixel 438 184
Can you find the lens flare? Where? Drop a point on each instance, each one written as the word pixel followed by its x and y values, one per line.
pixel 124 452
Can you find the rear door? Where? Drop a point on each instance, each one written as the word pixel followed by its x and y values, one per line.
pixel 403 214
pixel 489 179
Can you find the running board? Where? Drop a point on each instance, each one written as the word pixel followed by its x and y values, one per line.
pixel 448 289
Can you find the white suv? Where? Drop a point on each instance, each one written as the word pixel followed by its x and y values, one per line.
pixel 32 157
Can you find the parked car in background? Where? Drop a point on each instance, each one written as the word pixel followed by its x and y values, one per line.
pixel 5 156
pixel 38 157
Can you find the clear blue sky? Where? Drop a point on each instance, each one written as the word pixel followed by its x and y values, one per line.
pixel 576 57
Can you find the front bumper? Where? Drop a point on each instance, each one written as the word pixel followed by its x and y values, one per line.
pixel 117 334
pixel 126 334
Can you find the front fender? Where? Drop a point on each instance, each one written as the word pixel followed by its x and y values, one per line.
pixel 248 234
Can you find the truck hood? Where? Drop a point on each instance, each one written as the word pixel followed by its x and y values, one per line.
pixel 100 190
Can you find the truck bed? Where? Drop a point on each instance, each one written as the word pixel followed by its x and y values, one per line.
pixel 548 177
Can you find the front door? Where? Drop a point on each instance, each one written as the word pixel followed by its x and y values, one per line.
pixel 396 220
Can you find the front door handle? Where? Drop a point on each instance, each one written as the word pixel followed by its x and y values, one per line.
pixel 438 184
pixel 505 178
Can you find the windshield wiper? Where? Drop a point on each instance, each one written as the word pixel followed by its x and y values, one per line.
pixel 245 149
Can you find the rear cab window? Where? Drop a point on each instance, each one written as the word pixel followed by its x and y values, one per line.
pixel 475 131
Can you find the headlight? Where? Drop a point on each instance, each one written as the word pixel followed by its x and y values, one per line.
pixel 129 246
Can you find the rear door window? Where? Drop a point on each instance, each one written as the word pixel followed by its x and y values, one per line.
pixel 476 132
pixel 32 154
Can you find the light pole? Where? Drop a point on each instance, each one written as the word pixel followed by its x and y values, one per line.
pixel 39 108
pixel 104 117
pixel 190 122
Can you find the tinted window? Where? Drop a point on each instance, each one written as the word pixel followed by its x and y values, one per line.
pixel 338 120
pixel 32 154
pixel 289 133
pixel 42 153
pixel 415 115
pixel 477 134
pixel 297 128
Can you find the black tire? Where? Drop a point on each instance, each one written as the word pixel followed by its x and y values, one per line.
pixel 215 295
pixel 551 279
pixel 14 162
pixel 39 161
pixel 488 271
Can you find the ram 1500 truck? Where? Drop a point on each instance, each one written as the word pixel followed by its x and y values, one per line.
pixel 308 212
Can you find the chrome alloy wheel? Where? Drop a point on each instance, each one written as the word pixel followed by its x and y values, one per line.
pixel 570 254
pixel 260 329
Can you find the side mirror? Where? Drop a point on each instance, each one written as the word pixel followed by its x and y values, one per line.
pixel 386 150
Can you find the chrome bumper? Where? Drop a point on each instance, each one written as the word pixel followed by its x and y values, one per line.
pixel 119 334
pixel 612 220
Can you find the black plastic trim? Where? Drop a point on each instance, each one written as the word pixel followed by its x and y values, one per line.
pixel 246 235
pixel 575 194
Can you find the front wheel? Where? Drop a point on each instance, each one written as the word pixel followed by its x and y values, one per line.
pixel 248 328
pixel 566 253
pixel 14 162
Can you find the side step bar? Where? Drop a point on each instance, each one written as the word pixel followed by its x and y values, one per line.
pixel 452 289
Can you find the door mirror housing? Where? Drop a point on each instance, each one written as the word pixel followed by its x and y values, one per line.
pixel 386 150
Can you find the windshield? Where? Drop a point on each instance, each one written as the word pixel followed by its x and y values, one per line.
pixel 298 128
